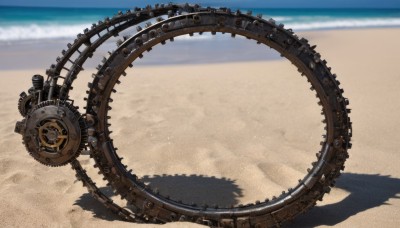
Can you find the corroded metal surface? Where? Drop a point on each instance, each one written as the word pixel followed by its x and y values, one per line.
pixel 51 123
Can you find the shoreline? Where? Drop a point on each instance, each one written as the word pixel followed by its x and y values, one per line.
pixel 208 50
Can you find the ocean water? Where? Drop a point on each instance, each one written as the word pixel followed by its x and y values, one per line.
pixel 26 23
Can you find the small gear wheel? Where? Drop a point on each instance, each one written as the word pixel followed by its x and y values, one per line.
pixel 55 133
pixel 25 103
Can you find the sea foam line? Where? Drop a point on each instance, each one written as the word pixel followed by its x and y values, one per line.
pixel 34 31
pixel 345 23
pixel 29 32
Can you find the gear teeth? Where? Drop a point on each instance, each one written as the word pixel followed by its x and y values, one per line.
pixel 126 52
pixel 165 27
pixel 23 94
pixel 152 33
pixel 256 23
pixel 139 41
pixel 119 42
pixel 272 21
pixel 314 164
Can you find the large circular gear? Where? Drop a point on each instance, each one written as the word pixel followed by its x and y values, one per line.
pixel 55 133
pixel 269 213
pixel 50 136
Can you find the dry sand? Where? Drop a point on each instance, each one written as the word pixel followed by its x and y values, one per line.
pixel 229 133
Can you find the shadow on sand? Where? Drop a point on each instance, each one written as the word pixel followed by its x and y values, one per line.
pixel 196 189
pixel 366 191
pixel 88 203
pixel 191 189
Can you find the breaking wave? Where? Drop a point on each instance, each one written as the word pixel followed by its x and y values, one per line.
pixel 51 31
pixel 34 31
pixel 345 23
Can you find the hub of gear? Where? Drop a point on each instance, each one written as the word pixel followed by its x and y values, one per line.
pixel 54 133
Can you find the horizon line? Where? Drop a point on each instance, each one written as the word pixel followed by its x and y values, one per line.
pixel 126 7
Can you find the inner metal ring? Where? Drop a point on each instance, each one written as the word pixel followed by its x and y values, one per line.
pixel 51 134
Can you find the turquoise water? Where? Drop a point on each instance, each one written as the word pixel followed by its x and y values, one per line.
pixel 26 23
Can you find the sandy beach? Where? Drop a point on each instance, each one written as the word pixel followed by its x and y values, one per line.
pixel 223 132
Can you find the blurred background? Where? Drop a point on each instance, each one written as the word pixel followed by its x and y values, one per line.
pixel 45 25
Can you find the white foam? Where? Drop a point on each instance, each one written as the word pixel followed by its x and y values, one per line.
pixel 346 23
pixel 34 31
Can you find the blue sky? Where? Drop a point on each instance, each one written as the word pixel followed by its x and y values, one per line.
pixel 229 3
